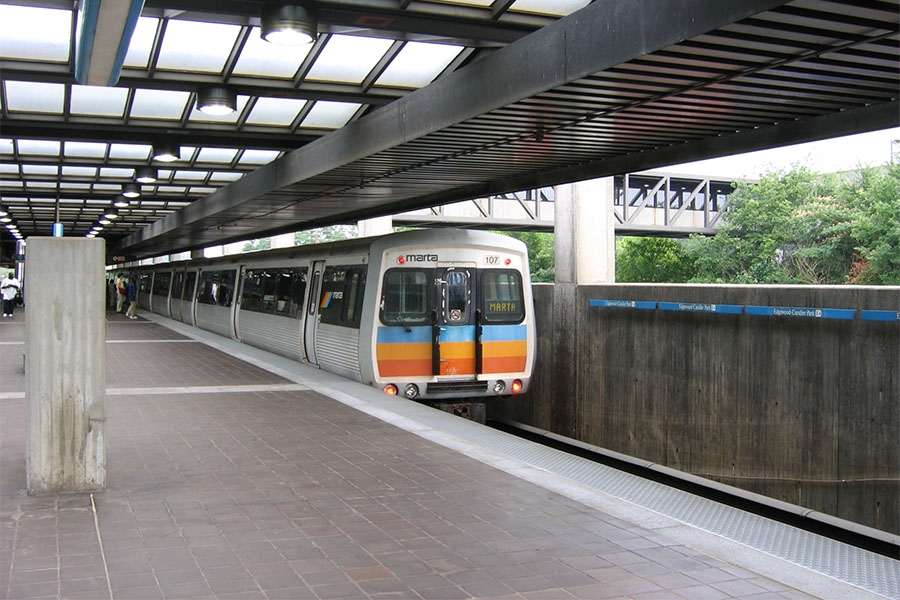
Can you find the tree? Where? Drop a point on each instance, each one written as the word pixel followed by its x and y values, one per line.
pixel 875 226
pixel 652 260
pixel 800 227
pixel 540 253
pixel 767 232
pixel 256 245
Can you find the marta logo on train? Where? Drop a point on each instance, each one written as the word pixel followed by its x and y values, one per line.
pixel 418 258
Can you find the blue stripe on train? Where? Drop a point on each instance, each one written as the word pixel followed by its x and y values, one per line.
pixel 464 333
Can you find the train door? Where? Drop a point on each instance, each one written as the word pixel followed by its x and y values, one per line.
pixel 453 324
pixel 312 312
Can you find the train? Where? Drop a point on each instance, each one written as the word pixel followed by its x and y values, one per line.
pixel 431 315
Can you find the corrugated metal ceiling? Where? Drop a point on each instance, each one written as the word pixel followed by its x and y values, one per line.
pixel 516 100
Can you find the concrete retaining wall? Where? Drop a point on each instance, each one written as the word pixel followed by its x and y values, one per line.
pixel 805 410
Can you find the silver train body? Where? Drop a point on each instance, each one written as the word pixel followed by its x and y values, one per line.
pixel 434 315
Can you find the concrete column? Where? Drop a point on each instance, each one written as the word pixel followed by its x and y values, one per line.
pixel 584 253
pixel 65 365
pixel 376 226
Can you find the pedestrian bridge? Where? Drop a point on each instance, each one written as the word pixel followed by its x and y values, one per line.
pixel 644 204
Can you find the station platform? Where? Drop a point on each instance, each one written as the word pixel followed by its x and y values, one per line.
pixel 237 474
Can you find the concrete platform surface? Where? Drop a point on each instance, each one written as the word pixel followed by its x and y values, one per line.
pixel 230 481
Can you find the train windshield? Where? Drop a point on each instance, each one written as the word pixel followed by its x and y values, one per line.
pixel 405 297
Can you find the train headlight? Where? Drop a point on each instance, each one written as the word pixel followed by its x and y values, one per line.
pixel 499 387
pixel 411 391
pixel 516 386
pixel 390 389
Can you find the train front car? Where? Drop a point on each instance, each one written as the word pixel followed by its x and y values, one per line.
pixel 453 316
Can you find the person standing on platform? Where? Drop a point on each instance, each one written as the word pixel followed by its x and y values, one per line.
pixel 9 288
pixel 131 296
pixel 120 293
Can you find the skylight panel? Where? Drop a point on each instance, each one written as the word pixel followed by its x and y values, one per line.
pixel 558 8
pixel 9 168
pixel 107 187
pixel 196 46
pixel 189 176
pixel 98 101
pixel 84 150
pixel 39 147
pixel 130 151
pixel 116 173
pixel 217 155
pixel 418 64
pixel 202 191
pixel 141 44
pixel 31 33
pixel 330 115
pixel 261 59
pixel 223 176
pixel 71 185
pixel 47 170
pixel 79 172
pixel 159 104
pixel 483 3
pixel 40 185
pixel 275 111
pixel 258 157
pixel 6 146
pixel 232 117
pixel 30 96
pixel 348 59
pixel 171 189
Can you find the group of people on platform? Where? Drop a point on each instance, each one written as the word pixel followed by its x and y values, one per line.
pixel 125 291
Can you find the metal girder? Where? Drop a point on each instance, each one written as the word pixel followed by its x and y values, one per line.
pixel 597 38
pixel 103 34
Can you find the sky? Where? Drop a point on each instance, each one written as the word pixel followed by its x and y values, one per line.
pixel 828 156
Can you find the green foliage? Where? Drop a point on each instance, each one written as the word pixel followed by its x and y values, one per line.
pixel 652 260
pixel 800 227
pixel 332 233
pixel 256 245
pixel 540 253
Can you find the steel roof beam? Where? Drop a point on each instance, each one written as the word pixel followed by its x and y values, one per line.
pixel 600 36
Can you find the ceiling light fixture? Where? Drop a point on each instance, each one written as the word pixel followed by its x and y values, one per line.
pixel 145 175
pixel 111 213
pixel 166 152
pixel 121 202
pixel 131 190
pixel 217 101
pixel 288 24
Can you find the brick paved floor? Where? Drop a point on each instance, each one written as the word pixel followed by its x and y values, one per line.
pixel 236 491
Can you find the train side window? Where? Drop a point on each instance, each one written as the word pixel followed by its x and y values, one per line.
pixel 298 292
pixel 251 296
pixel 282 292
pixel 502 298
pixel 177 284
pixel 161 283
pixel 342 288
pixel 189 280
pixel 143 283
pixel 216 287
pixel 404 299
pixel 312 290
pixel 267 289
